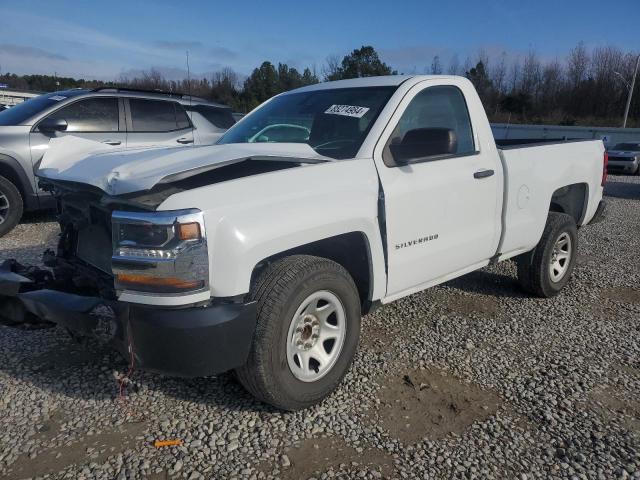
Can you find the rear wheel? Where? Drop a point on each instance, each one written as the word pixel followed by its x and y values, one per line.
pixel 307 332
pixel 11 206
pixel 547 268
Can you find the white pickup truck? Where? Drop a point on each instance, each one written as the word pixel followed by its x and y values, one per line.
pixel 261 253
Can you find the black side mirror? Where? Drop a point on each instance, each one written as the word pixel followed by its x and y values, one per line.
pixel 50 125
pixel 424 142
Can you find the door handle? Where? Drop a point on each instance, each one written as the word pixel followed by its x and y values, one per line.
pixel 112 142
pixel 483 173
pixel 184 141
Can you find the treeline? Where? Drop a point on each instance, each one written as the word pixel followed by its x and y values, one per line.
pixel 585 88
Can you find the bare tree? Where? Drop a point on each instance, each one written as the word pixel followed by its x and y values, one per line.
pixel 454 65
pixel 577 65
pixel 514 75
pixel 531 75
pixel 498 75
pixel 436 67
pixel 331 66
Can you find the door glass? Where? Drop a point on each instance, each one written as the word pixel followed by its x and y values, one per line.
pixel 157 116
pixel 435 113
pixel 90 115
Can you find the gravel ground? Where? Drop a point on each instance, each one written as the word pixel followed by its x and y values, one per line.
pixel 471 379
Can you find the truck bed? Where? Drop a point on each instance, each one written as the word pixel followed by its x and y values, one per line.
pixel 508 143
pixel 537 172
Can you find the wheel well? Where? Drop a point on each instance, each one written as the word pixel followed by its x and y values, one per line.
pixel 572 200
pixel 8 172
pixel 351 250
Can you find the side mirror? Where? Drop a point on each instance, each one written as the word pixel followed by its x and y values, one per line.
pixel 423 142
pixel 50 125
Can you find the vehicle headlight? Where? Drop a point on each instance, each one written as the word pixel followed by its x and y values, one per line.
pixel 160 252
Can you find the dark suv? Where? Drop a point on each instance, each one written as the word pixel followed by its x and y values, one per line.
pixel 123 118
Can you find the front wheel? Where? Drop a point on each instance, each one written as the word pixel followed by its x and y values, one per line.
pixel 547 268
pixel 306 334
pixel 11 206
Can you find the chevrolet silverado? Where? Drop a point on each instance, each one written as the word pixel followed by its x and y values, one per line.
pixel 260 254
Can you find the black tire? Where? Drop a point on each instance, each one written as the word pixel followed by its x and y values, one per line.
pixel 279 291
pixel 10 216
pixel 533 267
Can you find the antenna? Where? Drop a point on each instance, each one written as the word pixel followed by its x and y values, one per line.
pixel 190 98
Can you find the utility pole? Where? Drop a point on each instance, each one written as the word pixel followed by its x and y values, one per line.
pixel 630 96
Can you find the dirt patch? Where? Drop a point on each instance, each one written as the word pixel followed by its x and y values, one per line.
pixel 376 337
pixel 315 456
pixel 431 404
pixel 632 371
pixel 472 305
pixel 625 412
pixel 94 448
pixel 621 294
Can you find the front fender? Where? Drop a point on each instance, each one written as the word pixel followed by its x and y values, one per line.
pixel 253 218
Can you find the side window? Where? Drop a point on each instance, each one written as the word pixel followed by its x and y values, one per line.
pixel 219 117
pixel 98 114
pixel 157 116
pixel 435 123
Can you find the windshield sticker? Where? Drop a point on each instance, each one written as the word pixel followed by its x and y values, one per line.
pixel 347 110
pixel 57 98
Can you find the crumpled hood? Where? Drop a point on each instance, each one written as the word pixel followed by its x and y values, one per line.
pixel 118 171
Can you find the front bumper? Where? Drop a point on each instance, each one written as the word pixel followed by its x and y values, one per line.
pixel 185 342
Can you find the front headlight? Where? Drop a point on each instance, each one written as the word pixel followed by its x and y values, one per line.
pixel 160 252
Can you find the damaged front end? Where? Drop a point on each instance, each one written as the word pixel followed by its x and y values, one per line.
pixel 135 278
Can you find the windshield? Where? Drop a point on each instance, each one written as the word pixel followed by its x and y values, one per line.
pixel 627 146
pixel 24 111
pixel 334 122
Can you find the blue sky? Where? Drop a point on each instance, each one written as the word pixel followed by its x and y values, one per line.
pixel 107 39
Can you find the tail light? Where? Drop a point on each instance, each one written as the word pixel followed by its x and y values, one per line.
pixel 605 165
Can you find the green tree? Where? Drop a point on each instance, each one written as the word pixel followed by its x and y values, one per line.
pixel 267 81
pixel 480 79
pixel 363 62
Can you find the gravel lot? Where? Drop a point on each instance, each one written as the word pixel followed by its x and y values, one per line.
pixel 471 379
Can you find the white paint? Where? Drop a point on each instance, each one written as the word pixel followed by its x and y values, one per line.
pixel 124 171
pixel 250 219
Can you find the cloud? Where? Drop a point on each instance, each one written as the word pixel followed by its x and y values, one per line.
pixel 29 52
pixel 222 53
pixel 181 45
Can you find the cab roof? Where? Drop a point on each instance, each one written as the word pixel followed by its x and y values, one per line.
pixel 381 81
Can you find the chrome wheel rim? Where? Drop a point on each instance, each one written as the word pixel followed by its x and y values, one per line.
pixel 4 207
pixel 316 336
pixel 560 257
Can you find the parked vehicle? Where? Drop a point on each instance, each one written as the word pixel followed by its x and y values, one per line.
pixel 261 254
pixel 122 118
pixel 625 158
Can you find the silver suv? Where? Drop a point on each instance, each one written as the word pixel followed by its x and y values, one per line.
pixel 124 118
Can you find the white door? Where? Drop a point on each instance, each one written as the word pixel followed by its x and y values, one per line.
pixel 442 192
pixel 152 123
